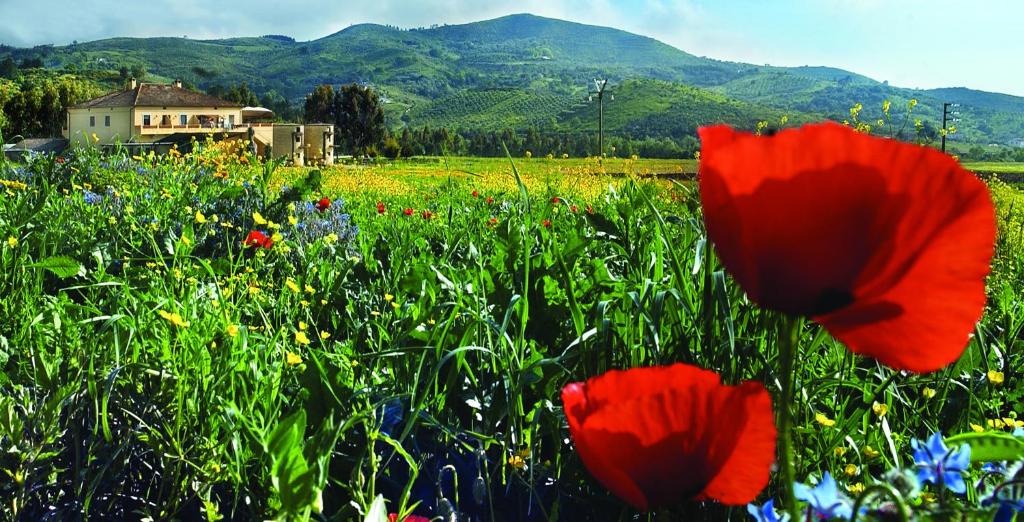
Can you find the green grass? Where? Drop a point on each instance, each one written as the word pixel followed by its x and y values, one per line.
pixel 324 371
pixel 995 167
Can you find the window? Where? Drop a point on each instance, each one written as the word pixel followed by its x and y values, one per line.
pixel 106 121
pixel 231 120
pixel 92 121
pixel 145 120
pixel 183 119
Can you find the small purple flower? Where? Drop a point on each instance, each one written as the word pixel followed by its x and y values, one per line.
pixel 940 465
pixel 766 512
pixel 91 197
pixel 824 499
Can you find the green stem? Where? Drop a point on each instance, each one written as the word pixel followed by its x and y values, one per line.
pixel 789 329
pixel 882 490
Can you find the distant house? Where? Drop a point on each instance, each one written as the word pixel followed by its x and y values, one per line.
pixel 162 115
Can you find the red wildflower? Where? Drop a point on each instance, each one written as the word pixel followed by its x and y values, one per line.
pixel 547 223
pixel 393 517
pixel 490 200
pixel 323 204
pixel 60 160
pixel 493 222
pixel 427 214
pixel 655 436
pixel 408 211
pixel 257 239
pixel 380 207
pixel 573 209
pixel 883 243
pixel 590 209
pixel 555 200
pixel 476 194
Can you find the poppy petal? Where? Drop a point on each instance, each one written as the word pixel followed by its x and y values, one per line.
pixel 656 436
pixel 886 244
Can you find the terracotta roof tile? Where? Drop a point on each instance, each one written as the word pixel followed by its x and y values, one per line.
pixel 155 95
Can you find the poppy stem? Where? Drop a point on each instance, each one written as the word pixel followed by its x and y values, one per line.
pixel 788 335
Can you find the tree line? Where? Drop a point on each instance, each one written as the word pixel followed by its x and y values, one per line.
pixel 358 115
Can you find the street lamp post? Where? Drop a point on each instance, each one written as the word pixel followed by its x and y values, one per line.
pixel 601 87
pixel 946 113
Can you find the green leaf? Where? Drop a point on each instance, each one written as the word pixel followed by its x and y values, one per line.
pixel 990 446
pixel 63 267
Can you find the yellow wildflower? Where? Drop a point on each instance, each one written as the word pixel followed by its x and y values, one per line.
pixel 839 451
pixel 824 420
pixel 389 297
pixel 928 393
pixel 12 241
pixel 995 377
pixel 324 336
pixel 277 237
pixel 309 289
pixel 976 428
pixel 292 358
pixel 880 409
pixel 233 330
pixel 303 326
pixel 200 218
pixel 292 285
pixel 871 453
pixel 851 470
pixel 515 460
pixel 300 338
pixel 856 489
pixel 175 319
pixel 258 218
pixel 292 221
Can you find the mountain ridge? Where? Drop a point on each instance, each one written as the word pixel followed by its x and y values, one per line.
pixel 534 54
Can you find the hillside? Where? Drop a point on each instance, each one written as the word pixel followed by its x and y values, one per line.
pixel 524 70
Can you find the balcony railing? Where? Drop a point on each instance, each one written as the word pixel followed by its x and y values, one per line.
pixel 169 128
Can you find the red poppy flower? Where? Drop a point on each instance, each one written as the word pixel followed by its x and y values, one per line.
pixel 408 212
pixel 547 223
pixel 590 209
pixel 885 244
pixel 380 207
pixel 427 214
pixel 656 436
pixel 555 200
pixel 493 221
pixel 257 239
pixel 573 209
pixel 490 200
pixel 393 517
pixel 323 204
pixel 476 194
pixel 60 160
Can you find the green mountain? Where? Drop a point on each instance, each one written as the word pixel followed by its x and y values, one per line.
pixel 524 70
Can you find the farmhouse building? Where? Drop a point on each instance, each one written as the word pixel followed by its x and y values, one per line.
pixel 159 116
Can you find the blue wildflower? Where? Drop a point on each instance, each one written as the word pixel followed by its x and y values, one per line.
pixel 940 465
pixel 766 512
pixel 91 197
pixel 825 498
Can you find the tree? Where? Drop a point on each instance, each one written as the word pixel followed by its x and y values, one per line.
pixel 8 68
pixel 139 71
pixel 359 119
pixel 241 94
pixel 320 105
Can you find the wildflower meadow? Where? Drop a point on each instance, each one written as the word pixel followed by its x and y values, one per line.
pixel 821 324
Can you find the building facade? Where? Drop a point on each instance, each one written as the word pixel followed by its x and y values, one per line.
pixel 154 115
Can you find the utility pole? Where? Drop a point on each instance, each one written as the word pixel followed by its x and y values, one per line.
pixel 601 87
pixel 946 113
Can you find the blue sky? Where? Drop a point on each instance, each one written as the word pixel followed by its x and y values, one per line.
pixel 910 43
